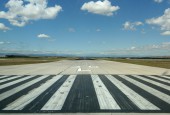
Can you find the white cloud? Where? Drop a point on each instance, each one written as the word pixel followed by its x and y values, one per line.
pixel 99 7
pixel 2 42
pixel 131 26
pixel 133 47
pixel 43 36
pixel 158 1
pixel 162 21
pixel 162 49
pixel 71 30
pixel 161 46
pixel 138 23
pixel 166 33
pixel 3 27
pixel 20 12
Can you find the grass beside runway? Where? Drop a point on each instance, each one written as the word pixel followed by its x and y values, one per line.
pixel 163 63
pixel 29 60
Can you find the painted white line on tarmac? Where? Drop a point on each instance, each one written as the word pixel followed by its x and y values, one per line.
pixel 10 78
pixel 56 102
pixel 153 82
pixel 148 89
pixel 166 77
pixel 137 99
pixel 160 79
pixel 4 76
pixel 105 99
pixel 21 102
pixel 21 87
pixel 14 82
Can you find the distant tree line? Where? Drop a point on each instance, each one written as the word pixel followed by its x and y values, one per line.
pixel 17 56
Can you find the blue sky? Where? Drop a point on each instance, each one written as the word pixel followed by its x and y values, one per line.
pixel 85 27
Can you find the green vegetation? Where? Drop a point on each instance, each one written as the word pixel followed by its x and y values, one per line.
pixel 163 63
pixel 29 60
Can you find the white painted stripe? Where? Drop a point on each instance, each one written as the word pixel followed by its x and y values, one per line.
pixel 137 99
pixel 148 89
pixel 21 87
pixel 21 102
pixel 3 80
pixel 153 82
pixel 166 77
pixel 160 79
pixel 4 76
pixel 56 102
pixel 14 82
pixel 105 99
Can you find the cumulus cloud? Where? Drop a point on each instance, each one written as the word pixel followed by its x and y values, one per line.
pixel 100 7
pixel 158 1
pixel 162 21
pixel 166 33
pixel 131 25
pixel 20 12
pixel 43 36
pixel 3 27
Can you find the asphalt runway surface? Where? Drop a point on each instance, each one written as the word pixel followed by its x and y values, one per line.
pixel 87 86
pixel 82 67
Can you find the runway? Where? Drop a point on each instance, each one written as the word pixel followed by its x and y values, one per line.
pixel 85 93
pixel 84 87
pixel 82 67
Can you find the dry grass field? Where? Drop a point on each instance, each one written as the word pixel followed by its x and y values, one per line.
pixel 163 63
pixel 20 61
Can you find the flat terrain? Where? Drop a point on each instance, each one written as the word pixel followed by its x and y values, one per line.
pixel 82 67
pixel 84 86
pixel 164 63
pixel 29 60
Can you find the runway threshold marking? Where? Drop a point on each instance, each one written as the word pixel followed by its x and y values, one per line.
pixel 6 76
pixel 124 102
pixel 164 77
pixel 21 102
pixel 162 96
pixel 11 78
pixel 19 88
pixel 85 93
pixel 153 82
pixel 159 79
pixel 82 96
pixel 14 82
pixel 42 99
pixel 160 87
pixel 105 99
pixel 56 102
pixel 136 98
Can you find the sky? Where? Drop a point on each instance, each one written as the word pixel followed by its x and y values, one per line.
pixel 85 27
